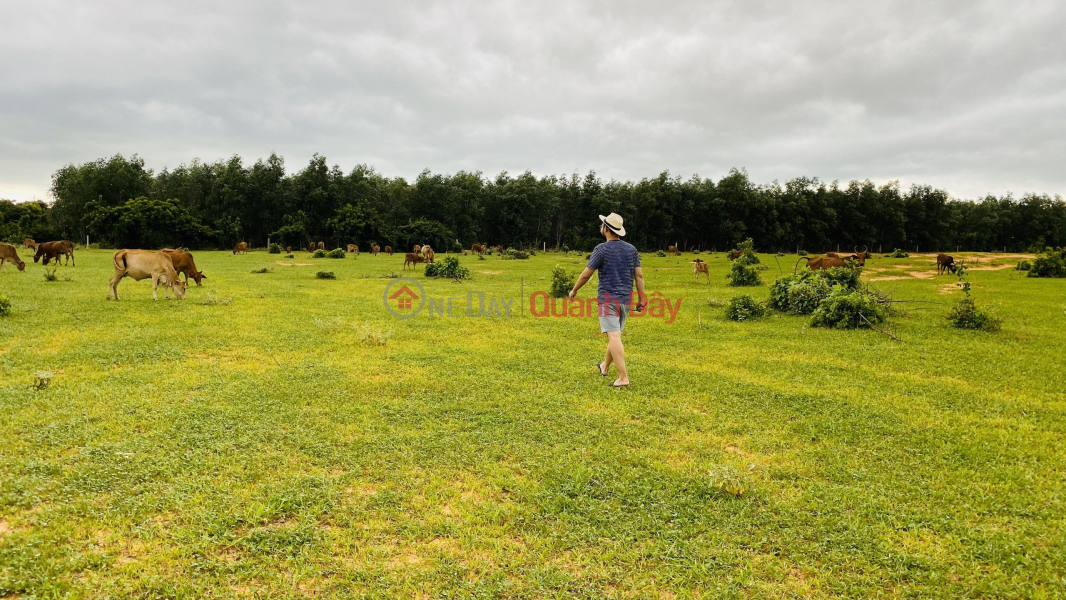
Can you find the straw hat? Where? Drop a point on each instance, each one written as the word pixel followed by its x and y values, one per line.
pixel 614 222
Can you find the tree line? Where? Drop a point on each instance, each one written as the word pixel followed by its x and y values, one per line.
pixel 120 203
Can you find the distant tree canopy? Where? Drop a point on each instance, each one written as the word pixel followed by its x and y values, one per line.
pixel 120 202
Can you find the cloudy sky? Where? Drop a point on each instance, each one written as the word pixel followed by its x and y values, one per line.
pixel 965 95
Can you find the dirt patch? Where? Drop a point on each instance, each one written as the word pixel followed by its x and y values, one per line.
pixel 491 272
pixel 293 264
pixel 992 268
pixel 4 527
pixel 922 274
pixel 949 288
pixel 889 278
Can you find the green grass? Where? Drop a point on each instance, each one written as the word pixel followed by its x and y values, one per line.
pixel 249 441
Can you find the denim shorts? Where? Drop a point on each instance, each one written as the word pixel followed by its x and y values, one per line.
pixel 613 316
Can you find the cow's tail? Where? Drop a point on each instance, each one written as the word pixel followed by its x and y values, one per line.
pixel 119 260
pixel 796 268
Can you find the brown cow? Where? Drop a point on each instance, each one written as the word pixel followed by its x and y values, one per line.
pixel 417 249
pixel 375 249
pixel 322 245
pixel 145 264
pixel 698 266
pixel 8 254
pixel 288 249
pixel 944 263
pixel 388 250
pixel 736 254
pixel 822 263
pixel 411 259
pixel 54 250
pixel 478 249
pixel 673 250
pixel 184 264
pixel 353 248
pixel 427 253
pixel 311 247
pixel 241 248
pixel 29 243
pixel 499 249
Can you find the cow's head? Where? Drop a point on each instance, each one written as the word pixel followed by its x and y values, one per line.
pixel 198 276
pixel 179 288
pixel 861 257
pixel 38 254
pixel 22 266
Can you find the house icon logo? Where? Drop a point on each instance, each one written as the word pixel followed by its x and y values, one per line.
pixel 400 298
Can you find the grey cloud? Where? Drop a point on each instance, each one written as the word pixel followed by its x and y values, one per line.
pixel 962 95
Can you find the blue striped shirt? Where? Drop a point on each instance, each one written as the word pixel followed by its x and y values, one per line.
pixel 615 261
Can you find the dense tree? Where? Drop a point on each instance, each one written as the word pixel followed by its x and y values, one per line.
pixel 229 201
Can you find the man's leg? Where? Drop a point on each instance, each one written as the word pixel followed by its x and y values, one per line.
pixel 608 359
pixel 616 353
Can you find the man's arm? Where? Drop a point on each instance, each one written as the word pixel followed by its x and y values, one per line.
pixel 642 298
pixel 583 279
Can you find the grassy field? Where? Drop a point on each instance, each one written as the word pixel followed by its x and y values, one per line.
pixel 248 442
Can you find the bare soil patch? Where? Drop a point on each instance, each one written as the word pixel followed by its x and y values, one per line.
pixel 889 278
pixel 992 268
pixel 922 274
pixel 287 264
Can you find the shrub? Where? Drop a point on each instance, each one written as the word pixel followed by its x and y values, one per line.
pixel 802 293
pixel 319 254
pixel 744 308
pixel 325 274
pixel 520 255
pixel 274 249
pixel 50 275
pixel 562 282
pixel 5 306
pixel 695 252
pixel 290 256
pixel 741 275
pixel 965 314
pixel 897 253
pixel 336 253
pixel 457 248
pixel 802 253
pixel 660 253
pixel 1024 265
pixel 1051 264
pixel 448 268
pixel 261 270
pixel 848 309
pixel 566 249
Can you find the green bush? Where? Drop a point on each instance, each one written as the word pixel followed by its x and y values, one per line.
pixel 520 255
pixel 741 275
pixel 50 275
pixel 660 253
pixel 897 253
pixel 848 309
pixel 5 306
pixel 802 253
pixel 319 254
pixel 457 248
pixel 336 253
pixel 802 293
pixel 1024 265
pixel 261 270
pixel 1051 264
pixel 562 281
pixel 274 249
pixel 290 256
pixel 744 308
pixel 965 314
pixel 448 268
pixel 325 275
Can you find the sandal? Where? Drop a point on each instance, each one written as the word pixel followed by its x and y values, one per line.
pixel 599 367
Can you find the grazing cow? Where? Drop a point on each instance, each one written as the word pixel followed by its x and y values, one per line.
pixel 353 248
pixel 673 250
pixel 427 254
pixel 388 250
pixel 417 249
pixel 184 264
pixel 322 245
pixel 499 249
pixel 375 249
pixel 311 248
pixel 144 264
pixel 288 249
pixel 698 266
pixel 241 248
pixel 735 254
pixel 29 243
pixel 944 263
pixel 411 259
pixel 478 249
pixel 54 250
pixel 8 254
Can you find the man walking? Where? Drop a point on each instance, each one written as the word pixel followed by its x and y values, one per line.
pixel 618 263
